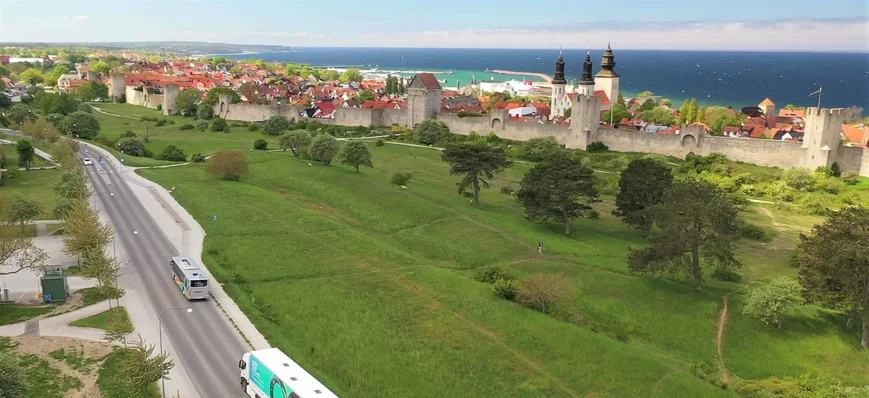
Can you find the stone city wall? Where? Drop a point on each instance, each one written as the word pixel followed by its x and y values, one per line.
pixel 142 98
pixel 256 113
pixel 508 129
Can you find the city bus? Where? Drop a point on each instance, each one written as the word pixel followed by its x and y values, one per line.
pixel 189 278
pixel 270 373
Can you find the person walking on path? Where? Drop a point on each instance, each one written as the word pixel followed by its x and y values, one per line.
pixel 540 247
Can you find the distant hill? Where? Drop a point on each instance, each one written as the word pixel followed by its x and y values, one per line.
pixel 181 47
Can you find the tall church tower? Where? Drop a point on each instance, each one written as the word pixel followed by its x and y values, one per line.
pixel 586 83
pixel 558 103
pixel 607 79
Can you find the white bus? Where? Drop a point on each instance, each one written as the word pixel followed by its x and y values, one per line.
pixel 270 373
pixel 189 278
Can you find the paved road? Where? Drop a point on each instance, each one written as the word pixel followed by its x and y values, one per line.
pixel 207 344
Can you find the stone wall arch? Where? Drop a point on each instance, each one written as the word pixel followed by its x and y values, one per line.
pixel 689 140
pixel 497 123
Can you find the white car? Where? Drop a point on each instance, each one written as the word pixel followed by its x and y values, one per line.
pixel 88 162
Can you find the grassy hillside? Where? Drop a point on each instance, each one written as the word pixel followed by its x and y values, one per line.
pixel 370 286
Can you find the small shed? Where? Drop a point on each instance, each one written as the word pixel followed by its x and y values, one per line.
pixel 54 284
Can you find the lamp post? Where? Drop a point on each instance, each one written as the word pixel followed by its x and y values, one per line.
pixel 160 321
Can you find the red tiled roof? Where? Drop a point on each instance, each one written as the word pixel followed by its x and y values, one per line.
pixel 428 81
pixel 601 93
pixel 767 102
pixel 856 134
pixel 800 113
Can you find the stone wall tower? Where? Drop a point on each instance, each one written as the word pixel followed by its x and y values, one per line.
pixel 584 120
pixel 558 88
pixel 586 83
pixel 170 92
pixel 767 106
pixel 823 135
pixel 607 79
pixel 117 87
pixel 423 98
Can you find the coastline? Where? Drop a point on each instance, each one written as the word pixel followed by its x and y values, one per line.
pixel 546 78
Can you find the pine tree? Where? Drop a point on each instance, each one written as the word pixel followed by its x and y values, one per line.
pixel 692 111
pixel 700 117
pixel 683 112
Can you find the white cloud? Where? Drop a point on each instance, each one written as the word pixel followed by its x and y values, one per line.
pixel 80 17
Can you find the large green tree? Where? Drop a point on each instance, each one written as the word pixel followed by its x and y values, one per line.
pixel 616 113
pixel 276 125
pixel 648 105
pixel 17 253
pixel 694 219
pixel 641 187
pixel 20 114
pixel 84 232
pixel 92 91
pixel 100 67
pixel 351 75
pixel 834 263
pixel 187 101
pixel 23 210
pixel 31 76
pixel 558 188
pixel 213 96
pixel 323 148
pixel 477 162
pixel 356 153
pixel 660 115
pixel 718 117
pixel 26 153
pixel 683 112
pixel 81 124
pixel 63 103
pixel 296 141
pixel 429 131
pixel 366 95
pixel 691 113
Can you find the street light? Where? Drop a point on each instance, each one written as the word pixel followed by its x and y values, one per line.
pixel 160 321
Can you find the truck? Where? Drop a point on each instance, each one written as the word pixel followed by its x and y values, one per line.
pixel 270 373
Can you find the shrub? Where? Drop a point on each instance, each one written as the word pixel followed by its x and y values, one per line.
pixel 823 171
pixel 726 274
pixel 107 141
pixel 468 114
pixel 505 288
pixel 401 178
pixel 159 107
pixel 85 108
pixel 186 127
pixel 596 146
pixel 173 153
pixel 202 124
pixel 228 165
pixel 746 178
pixel 618 163
pixel 253 127
pixel 593 215
pixel 380 143
pixel 82 124
pixel 134 146
pixel 537 149
pixel 544 291
pixel 260 145
pixel 276 125
pixel 323 148
pixel 127 134
pixel 813 205
pixel 799 178
pixel 160 123
pixel 831 185
pixel 850 177
pixel 429 131
pixel 507 190
pixel 219 125
pixel 197 158
pixel 491 275
pixel 204 111
pixel 753 232
pixel 835 169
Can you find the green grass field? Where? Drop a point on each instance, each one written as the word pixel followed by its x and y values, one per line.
pixel 100 320
pixel 376 295
pixel 190 141
pixel 35 184
pixel 12 157
pixel 14 313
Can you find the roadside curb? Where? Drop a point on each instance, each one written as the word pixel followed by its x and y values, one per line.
pixel 191 245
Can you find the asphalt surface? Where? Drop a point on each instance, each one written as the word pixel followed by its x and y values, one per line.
pixel 207 345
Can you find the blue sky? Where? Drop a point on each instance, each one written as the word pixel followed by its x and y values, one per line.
pixel 663 24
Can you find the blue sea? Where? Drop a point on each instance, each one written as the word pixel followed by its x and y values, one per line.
pixel 713 77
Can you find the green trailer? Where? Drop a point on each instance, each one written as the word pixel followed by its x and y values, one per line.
pixel 54 284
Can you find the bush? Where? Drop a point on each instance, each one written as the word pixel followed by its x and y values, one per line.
pixel 128 134
pixel 160 123
pixel 82 124
pixel 401 178
pixel 323 148
pixel 134 146
pixel 276 125
pixel 823 171
pixel 850 177
pixel 172 153
pixel 204 111
pixel 85 108
pixel 186 127
pixel 596 146
pixel 618 163
pixel 253 127
pixel 726 274
pixel 107 141
pixel 505 288
pixel 260 145
pixel 228 165
pixel 491 275
pixel 813 205
pixel 202 124
pixel 593 215
pixel 159 107
pixel 462 114
pixel 799 179
pixel 197 158
pixel 753 232
pixel 219 125
pixel 544 291
pixel 507 190
pixel 380 143
pixel 537 149
pixel 429 131
pixel 830 185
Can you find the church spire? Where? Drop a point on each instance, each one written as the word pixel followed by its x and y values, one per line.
pixel 587 78
pixel 608 64
pixel 559 70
